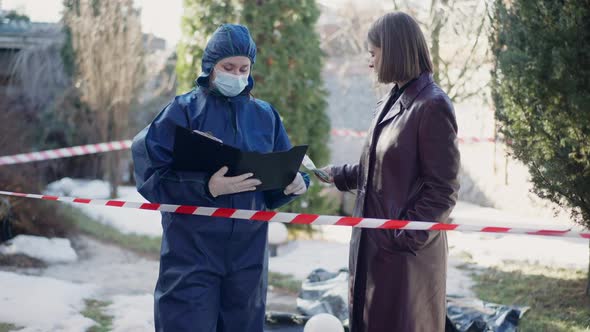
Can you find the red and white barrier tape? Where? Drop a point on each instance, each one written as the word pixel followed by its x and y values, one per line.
pixel 471 140
pixel 126 144
pixel 363 134
pixel 65 152
pixel 313 219
pixel 349 133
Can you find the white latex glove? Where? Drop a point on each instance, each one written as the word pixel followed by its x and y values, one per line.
pixel 219 184
pixel 297 187
pixel 327 171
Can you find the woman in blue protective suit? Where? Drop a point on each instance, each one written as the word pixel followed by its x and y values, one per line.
pixel 213 271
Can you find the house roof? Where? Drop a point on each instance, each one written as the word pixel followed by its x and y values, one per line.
pixel 20 34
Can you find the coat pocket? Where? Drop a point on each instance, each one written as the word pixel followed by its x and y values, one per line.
pixel 412 198
pixel 401 240
pixel 391 241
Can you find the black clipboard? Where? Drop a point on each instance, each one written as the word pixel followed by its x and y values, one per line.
pixel 198 153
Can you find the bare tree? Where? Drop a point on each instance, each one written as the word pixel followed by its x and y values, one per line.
pixel 454 29
pixel 458 26
pixel 45 92
pixel 107 41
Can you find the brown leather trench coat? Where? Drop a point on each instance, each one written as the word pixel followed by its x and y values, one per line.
pixel 408 170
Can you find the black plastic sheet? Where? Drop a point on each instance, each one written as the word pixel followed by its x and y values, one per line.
pixel 473 315
pixel 327 292
pixel 284 322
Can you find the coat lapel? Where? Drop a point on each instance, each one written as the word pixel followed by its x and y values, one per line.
pixel 380 109
pixel 369 140
pixel 407 98
pixel 369 143
pixel 393 111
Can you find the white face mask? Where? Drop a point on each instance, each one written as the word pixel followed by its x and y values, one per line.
pixel 230 85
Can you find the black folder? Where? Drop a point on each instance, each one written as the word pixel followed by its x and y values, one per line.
pixel 198 153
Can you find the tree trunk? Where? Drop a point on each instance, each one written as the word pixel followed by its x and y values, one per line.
pixel 113 157
pixel 495 145
pixel 438 19
pixel 114 173
pixel 505 168
pixel 588 280
pixel 435 48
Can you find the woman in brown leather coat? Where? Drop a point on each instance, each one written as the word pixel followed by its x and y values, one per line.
pixel 408 170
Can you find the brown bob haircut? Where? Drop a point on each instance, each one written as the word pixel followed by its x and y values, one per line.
pixel 404 50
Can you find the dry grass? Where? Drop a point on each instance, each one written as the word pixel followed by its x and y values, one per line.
pixel 556 296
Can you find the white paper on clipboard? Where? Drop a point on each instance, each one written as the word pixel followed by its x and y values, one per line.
pixel 309 164
pixel 208 135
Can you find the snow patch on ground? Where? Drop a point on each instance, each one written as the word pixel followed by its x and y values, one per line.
pixel 132 313
pixel 55 250
pixel 43 304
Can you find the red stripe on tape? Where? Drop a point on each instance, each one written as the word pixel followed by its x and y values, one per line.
pixel 82 200
pixel 115 203
pixel 443 227
pixel 50 198
pixel 548 232
pixel 495 229
pixel 263 215
pixel 348 221
pixel 585 235
pixel 305 218
pixel 185 209
pixel 45 155
pixel 149 206
pixel 394 224
pixel 223 212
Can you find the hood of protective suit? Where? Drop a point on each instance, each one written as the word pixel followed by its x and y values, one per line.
pixel 227 41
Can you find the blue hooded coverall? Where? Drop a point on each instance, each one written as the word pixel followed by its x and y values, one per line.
pixel 213 271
